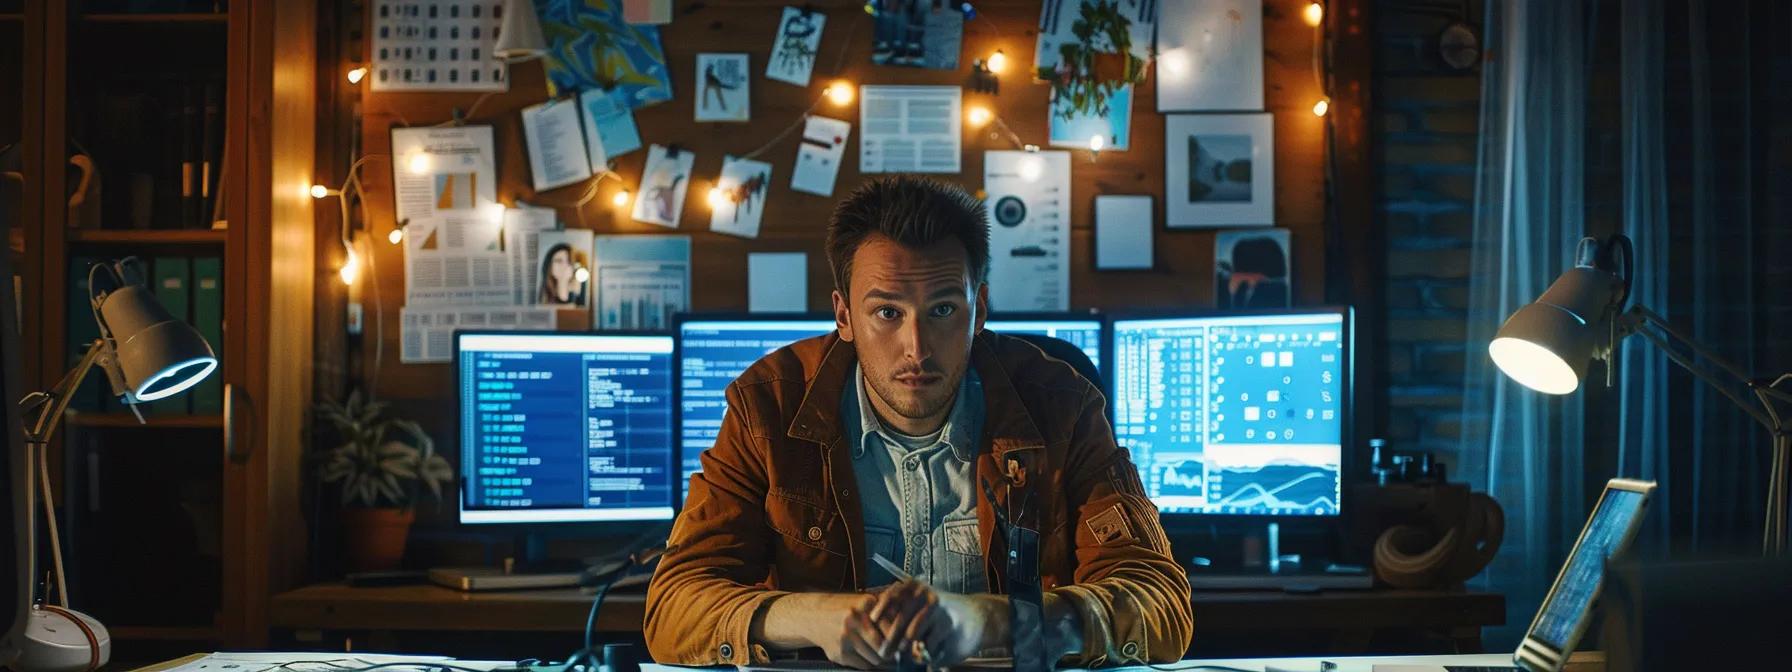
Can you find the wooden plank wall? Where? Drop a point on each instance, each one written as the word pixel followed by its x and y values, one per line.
pixel 796 222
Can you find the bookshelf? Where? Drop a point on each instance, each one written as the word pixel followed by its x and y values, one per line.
pixel 172 538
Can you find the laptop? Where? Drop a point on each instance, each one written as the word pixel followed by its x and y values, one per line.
pixel 1568 607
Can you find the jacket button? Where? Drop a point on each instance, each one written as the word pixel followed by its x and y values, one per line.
pixel 814 535
pixel 727 651
pixel 913 463
pixel 1131 649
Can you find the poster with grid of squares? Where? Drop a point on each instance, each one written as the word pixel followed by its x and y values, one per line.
pixel 437 46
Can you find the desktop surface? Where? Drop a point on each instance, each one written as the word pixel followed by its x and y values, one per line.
pixel 1235 414
pixel 564 427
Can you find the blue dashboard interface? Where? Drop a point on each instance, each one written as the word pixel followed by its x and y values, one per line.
pixel 1234 415
pixel 565 427
pixel 1571 604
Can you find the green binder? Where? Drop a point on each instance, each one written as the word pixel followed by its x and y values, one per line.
pixel 208 318
pixel 91 395
pixel 170 281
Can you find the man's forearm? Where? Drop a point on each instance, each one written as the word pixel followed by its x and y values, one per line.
pixel 789 622
pixel 1063 627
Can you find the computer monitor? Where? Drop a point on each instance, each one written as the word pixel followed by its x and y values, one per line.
pixel 1236 414
pixel 713 350
pixel 564 427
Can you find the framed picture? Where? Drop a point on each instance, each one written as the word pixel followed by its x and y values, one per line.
pixel 1252 269
pixel 1219 170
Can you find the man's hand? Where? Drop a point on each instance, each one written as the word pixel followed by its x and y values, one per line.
pixel 840 625
pixel 951 626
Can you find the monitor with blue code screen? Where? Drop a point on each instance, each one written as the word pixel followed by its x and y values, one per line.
pixel 1568 608
pixel 565 427
pixel 1236 414
pixel 714 350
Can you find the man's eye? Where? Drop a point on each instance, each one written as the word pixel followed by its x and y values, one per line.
pixel 888 313
pixel 944 310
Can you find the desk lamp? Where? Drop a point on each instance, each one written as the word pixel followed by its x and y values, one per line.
pixel 147 354
pixel 1547 345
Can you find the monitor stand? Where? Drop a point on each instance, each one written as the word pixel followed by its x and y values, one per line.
pixel 528 568
pixel 1272 570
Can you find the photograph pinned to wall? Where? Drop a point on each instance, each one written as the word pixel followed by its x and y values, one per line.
pixel 554 139
pixel 1057 27
pixel 1074 130
pixel 563 269
pixel 818 157
pixel 427 47
pixel 609 127
pixel 592 46
pixel 1252 269
pixel 523 226
pixel 723 84
pixel 1210 56
pixel 795 48
pixel 1123 233
pixel 642 281
pixel 917 33
pixel 1219 170
pixel 663 184
pixel 649 12
pixel 1029 229
pixel 910 129
pixel 737 202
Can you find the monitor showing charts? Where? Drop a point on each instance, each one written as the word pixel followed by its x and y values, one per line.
pixel 1235 414
pixel 713 351
pixel 564 427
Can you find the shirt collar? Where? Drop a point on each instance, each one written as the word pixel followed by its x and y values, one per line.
pixel 960 432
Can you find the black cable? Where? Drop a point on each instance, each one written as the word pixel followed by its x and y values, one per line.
pixel 597 603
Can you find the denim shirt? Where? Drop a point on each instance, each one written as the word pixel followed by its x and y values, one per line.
pixel 919 493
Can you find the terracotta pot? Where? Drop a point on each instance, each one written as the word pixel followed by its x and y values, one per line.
pixel 375 537
pixel 1110 67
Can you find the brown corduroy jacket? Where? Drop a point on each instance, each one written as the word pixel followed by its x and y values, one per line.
pixel 776 509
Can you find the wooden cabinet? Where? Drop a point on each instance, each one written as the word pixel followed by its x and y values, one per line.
pixel 183 527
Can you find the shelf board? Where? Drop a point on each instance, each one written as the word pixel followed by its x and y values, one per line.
pixel 147 236
pixel 149 421
pixel 164 633
pixel 158 17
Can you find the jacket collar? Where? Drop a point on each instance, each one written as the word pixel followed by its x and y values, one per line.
pixel 1007 424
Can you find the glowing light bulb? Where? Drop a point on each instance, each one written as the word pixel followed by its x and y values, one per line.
pixel 716 197
pixel 1320 108
pixel 356 75
pixel 396 236
pixel 319 191
pixel 1315 14
pixel 418 163
pixel 351 268
pixel 997 62
pixel 581 275
pixel 620 198
pixel 1174 62
pixel 840 92
pixel 978 116
pixel 1096 142
pixel 1031 168
pixel 493 213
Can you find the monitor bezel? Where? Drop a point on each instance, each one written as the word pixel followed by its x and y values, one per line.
pixel 1183 521
pixel 1533 652
pixel 550 528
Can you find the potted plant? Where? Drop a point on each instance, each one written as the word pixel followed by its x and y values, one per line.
pixel 1097 65
pixel 381 466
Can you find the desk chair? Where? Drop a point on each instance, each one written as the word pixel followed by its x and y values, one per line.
pixel 1061 349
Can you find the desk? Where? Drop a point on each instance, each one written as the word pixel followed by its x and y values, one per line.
pixel 1578 662
pixel 1354 616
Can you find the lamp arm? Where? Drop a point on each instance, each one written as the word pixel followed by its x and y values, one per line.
pixel 1637 319
pixel 55 402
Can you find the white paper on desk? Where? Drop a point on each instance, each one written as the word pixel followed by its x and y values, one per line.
pixel 427 334
pixel 294 661
pixel 522 246
pixel 818 157
pixel 609 128
pixel 744 186
pixel 797 44
pixel 641 281
pixel 1029 229
pixel 425 50
pixel 909 129
pixel 555 140
pixel 777 282
pixel 442 171
pixel 1123 232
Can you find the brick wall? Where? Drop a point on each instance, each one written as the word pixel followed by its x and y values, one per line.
pixel 1428 119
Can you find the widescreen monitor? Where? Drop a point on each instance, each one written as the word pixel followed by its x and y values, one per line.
pixel 1236 414
pixel 564 427
pixel 713 350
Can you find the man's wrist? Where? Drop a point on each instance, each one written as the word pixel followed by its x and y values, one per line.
pixel 796 621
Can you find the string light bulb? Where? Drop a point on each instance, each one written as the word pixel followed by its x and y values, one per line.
pixel 840 92
pixel 620 198
pixel 320 191
pixel 351 268
pixel 356 75
pixel 396 236
pixel 581 275
pixel 1032 167
pixel 997 62
pixel 1315 14
pixel 418 163
pixel 977 116
pixel 716 197
pixel 1096 142
pixel 1320 108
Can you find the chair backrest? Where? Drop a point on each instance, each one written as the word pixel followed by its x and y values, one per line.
pixel 1064 350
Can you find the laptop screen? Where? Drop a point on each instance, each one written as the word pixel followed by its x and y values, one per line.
pixel 1569 606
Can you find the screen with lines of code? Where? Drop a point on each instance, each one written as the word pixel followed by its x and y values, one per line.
pixel 1234 415
pixel 565 427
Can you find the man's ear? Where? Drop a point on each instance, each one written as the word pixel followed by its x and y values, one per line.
pixel 982 306
pixel 842 317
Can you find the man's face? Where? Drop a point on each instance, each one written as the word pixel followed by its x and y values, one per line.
pixel 911 315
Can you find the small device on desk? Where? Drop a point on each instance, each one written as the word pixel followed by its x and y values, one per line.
pixel 559 429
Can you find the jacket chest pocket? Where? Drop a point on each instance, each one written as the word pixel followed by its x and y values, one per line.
pixel 811 548
pixel 961 563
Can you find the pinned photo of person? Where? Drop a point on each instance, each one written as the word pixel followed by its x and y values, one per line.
pixel 564 269
pixel 1251 269
pixel 1219 170
pixel 918 34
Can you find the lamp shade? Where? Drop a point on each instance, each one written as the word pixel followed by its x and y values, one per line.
pixel 1547 345
pixel 157 355
pixel 519 35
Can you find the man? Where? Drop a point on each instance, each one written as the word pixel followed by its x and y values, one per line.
pixel 891 437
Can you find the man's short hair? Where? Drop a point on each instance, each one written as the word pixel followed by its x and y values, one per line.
pixel 913 211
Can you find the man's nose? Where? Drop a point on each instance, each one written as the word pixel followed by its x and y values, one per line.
pixel 914 341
